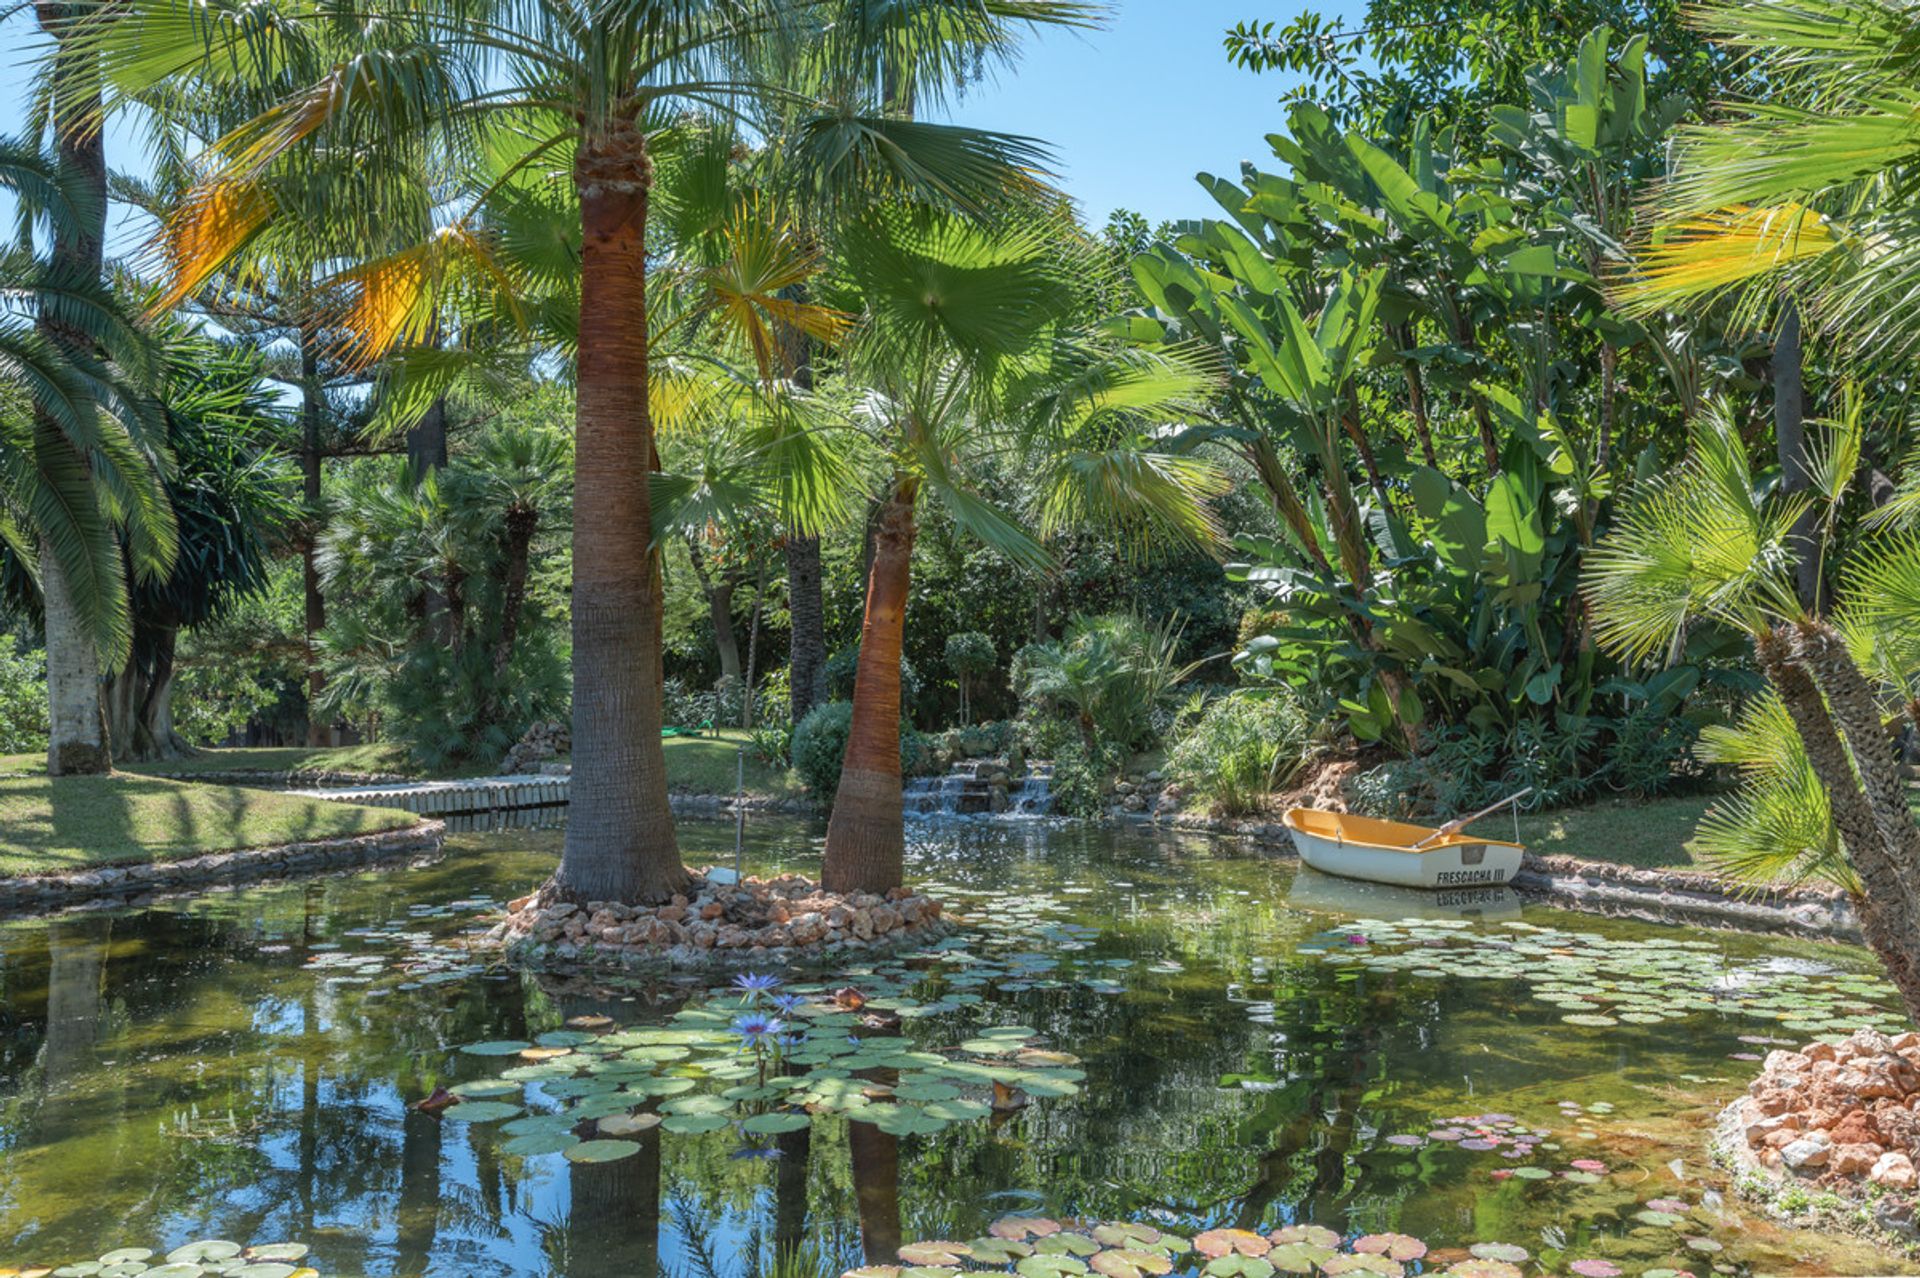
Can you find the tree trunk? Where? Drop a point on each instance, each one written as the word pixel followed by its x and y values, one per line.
pixel 427 440
pixel 807 644
pixel 318 732
pixel 1790 439
pixel 808 652
pixel 719 596
pixel 521 523
pixel 1887 860
pixel 1417 397
pixel 753 648
pixel 620 842
pixel 875 1156
pixel 77 740
pixel 866 841
pixel 1609 396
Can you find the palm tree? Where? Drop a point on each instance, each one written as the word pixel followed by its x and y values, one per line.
pixel 1701 546
pixel 554 86
pixel 969 353
pixel 86 469
pixel 1805 193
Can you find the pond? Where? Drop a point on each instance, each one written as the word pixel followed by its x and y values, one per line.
pixel 1209 1037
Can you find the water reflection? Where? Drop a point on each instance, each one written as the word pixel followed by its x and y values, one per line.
pixel 204 1068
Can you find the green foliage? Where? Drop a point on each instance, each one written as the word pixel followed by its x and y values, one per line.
pixel 1083 776
pixel 212 703
pixel 1242 746
pixel 820 748
pixel 23 698
pixel 452 706
pixel 843 666
pixel 970 654
pixel 1113 677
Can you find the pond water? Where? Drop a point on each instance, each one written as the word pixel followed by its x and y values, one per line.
pixel 1212 1038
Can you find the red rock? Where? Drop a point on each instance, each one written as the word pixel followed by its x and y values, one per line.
pixel 1770 1102
pixel 1819 1052
pixel 1780 1137
pixel 1853 1159
pixel 1856 1127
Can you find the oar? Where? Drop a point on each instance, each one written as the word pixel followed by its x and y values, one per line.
pixel 1459 823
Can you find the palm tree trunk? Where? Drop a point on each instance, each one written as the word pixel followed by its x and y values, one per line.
pixel 620 839
pixel 77 742
pixel 808 646
pixel 521 523
pixel 866 840
pixel 875 1156
pixel 1886 858
pixel 315 615
pixel 1790 439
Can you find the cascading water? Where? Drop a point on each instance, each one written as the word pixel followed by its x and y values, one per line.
pixel 982 788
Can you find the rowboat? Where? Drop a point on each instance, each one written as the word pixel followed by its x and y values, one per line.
pixel 1418 856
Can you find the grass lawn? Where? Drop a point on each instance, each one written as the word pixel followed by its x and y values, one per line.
pixel 1652 834
pixel 700 765
pixel 705 765
pixel 69 823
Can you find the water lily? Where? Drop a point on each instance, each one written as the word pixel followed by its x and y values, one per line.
pixel 753 1027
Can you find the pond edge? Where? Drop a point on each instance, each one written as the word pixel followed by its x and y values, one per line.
pixel 216 869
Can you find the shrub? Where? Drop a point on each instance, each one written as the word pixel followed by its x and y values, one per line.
pixel 1242 746
pixel 820 746
pixel 844 665
pixel 772 744
pixel 1082 778
pixel 23 698
pixel 211 703
pixel 1113 676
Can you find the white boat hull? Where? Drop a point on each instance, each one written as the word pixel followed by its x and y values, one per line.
pixel 1454 865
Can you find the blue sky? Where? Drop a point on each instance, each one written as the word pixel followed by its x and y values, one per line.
pixel 1131 111
pixel 1134 110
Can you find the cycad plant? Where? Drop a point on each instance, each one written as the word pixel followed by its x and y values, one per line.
pixel 487 93
pixel 1707 545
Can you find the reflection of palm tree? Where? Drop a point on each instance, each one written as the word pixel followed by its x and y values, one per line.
pixel 418 1214
pixel 790 1195
pixel 875 1156
pixel 76 967
pixel 613 1224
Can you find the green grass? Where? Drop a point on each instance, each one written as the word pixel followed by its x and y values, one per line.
pixel 71 823
pixel 699 765
pixel 1652 834
pixel 706 765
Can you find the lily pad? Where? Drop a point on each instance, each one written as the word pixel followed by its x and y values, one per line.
pixel 500 1047
pixel 1224 1242
pixel 540 1143
pixel 1392 1246
pixel 602 1151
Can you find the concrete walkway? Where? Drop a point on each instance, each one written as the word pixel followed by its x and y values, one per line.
pixel 435 798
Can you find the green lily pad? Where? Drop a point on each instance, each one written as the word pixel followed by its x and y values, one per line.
pixel 602 1151
pixel 480 1112
pixel 770 1124
pixel 213 1249
pixel 692 1124
pixel 499 1047
pixel 540 1143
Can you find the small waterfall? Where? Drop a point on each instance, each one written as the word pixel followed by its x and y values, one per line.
pixel 981 788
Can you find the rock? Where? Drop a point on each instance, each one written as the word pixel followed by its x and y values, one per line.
pixel 1820 1052
pixel 722 876
pixel 1133 803
pixel 1854 1159
pixel 1894 1170
pixel 1807 1154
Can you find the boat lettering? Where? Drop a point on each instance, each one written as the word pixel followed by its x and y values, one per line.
pixel 1450 877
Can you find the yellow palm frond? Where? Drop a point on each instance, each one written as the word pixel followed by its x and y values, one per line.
pixel 1723 249
pixel 213 222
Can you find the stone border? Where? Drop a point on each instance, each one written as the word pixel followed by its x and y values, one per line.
pixel 587 960
pixel 217 869
pixel 1602 887
pixel 1872 1217
pixel 270 776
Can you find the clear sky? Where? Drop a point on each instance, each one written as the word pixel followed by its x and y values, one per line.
pixel 1131 111
pixel 1134 110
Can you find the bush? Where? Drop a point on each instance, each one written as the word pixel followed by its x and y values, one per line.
pixel 772 744
pixel 1242 746
pixel 450 708
pixel 820 747
pixel 1082 779
pixel 1114 676
pixel 211 703
pixel 23 698
pixel 844 665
